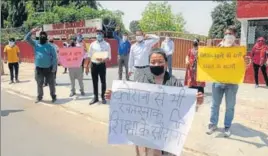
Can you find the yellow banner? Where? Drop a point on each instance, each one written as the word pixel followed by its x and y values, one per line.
pixel 221 64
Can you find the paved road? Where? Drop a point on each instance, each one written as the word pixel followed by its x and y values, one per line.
pixel 29 129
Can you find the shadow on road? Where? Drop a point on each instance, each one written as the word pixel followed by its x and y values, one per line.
pixel 87 96
pixel 265 87
pixel 245 132
pixel 7 112
pixel 59 101
pixel 24 81
pixel 63 84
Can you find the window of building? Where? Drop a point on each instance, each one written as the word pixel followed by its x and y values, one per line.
pixel 256 29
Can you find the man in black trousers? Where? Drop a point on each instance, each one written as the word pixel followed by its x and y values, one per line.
pixel 98 66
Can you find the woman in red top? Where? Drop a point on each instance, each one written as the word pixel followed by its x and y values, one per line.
pixel 258 56
pixel 191 70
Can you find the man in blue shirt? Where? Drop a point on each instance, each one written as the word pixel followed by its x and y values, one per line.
pixel 123 52
pixel 45 63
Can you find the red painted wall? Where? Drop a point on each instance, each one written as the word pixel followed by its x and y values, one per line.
pixel 27 53
pixel 252 9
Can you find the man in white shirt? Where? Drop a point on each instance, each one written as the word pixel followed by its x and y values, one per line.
pixel 168 47
pixel 98 67
pixel 139 54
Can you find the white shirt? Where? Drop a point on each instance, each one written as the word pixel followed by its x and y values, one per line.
pixel 97 46
pixel 168 47
pixel 139 52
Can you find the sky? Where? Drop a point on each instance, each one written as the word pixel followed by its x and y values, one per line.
pixel 195 13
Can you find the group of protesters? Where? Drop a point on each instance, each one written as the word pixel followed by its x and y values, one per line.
pixel 140 59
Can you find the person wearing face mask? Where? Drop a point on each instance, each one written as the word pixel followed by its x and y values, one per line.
pixel 12 56
pixel 168 46
pixel 139 54
pixel 98 66
pixel 259 58
pixel 191 70
pixel 51 41
pixel 45 61
pixel 76 73
pixel 219 89
pixel 80 43
pixel 158 75
pixel 123 52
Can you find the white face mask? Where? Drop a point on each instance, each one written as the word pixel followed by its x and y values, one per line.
pixel 124 38
pixel 11 43
pixel 139 38
pixel 229 40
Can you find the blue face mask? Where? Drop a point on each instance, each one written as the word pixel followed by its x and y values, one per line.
pixel 99 37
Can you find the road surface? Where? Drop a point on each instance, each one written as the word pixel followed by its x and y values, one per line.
pixel 29 129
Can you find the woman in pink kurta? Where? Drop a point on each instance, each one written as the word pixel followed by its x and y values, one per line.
pixel 259 58
pixel 191 70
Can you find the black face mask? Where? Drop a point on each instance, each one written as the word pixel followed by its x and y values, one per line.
pixel 43 40
pixel 157 70
pixel 195 44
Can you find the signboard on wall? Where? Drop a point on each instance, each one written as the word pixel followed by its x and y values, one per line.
pixel 64 30
pixel 252 9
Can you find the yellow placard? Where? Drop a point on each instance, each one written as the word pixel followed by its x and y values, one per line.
pixel 221 64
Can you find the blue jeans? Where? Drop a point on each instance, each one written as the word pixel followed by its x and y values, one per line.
pixel 169 58
pixel 230 91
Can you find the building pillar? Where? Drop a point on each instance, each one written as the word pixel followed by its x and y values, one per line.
pixel 244 32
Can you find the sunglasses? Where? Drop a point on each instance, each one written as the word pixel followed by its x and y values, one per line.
pixel 260 41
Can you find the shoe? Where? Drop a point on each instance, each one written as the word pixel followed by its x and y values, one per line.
pixel 211 129
pixel 227 132
pixel 17 81
pixel 72 94
pixel 38 100
pixel 104 101
pixel 93 101
pixel 11 82
pixel 54 100
pixel 83 93
pixel 256 86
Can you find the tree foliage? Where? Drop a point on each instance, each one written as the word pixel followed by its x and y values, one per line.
pixel 159 17
pixel 223 16
pixel 134 26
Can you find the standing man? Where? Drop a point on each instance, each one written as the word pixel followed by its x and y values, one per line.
pixel 98 66
pixel 81 43
pixel 168 47
pixel 12 56
pixel 123 52
pixel 45 63
pixel 57 50
pixel 139 54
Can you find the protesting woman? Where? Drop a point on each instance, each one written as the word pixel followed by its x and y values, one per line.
pixel 258 55
pixel 191 70
pixel 159 75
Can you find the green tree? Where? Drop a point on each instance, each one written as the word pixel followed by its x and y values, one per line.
pixel 134 26
pixel 4 12
pixel 159 17
pixel 223 16
pixel 17 13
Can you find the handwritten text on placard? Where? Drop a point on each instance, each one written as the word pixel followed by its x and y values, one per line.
pixel 71 57
pixel 219 64
pixel 148 115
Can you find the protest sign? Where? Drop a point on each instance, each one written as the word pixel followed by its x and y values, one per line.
pixel 149 115
pixel 101 54
pixel 221 64
pixel 71 57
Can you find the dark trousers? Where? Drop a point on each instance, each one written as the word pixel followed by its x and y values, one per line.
pixel 13 67
pixel 40 75
pixel 55 76
pixel 256 73
pixel 199 89
pixel 98 70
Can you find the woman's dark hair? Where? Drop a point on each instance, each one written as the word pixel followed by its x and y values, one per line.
pixel 231 28
pixel 12 39
pixel 159 51
pixel 43 33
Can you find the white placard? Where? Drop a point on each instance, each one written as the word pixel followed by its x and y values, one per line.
pixel 149 115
